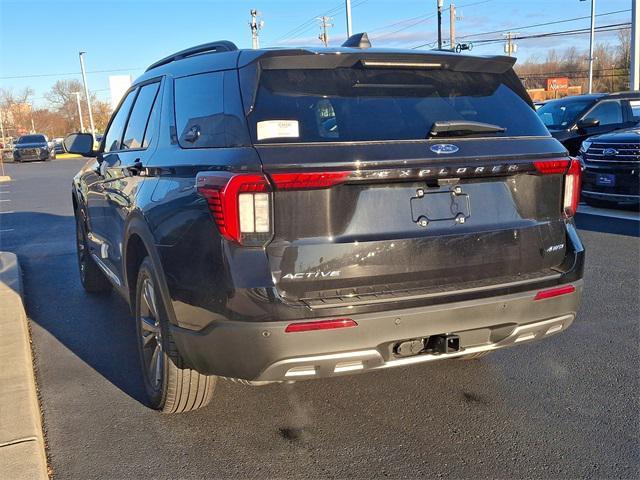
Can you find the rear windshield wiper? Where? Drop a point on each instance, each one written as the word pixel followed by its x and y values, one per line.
pixel 462 127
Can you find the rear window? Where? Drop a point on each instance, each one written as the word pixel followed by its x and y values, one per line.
pixel 349 104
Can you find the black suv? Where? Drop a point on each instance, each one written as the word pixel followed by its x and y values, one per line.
pixel 611 165
pixel 573 119
pixel 34 147
pixel 289 214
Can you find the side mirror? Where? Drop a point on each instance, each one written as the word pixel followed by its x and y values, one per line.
pixel 587 123
pixel 80 143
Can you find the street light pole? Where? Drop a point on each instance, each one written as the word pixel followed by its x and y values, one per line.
pixel 440 5
pixel 591 40
pixel 86 92
pixel 634 81
pixel 77 94
pixel 349 26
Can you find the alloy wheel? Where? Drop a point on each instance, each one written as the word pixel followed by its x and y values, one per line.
pixel 151 336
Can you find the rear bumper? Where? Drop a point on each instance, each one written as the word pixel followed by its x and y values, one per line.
pixel 263 352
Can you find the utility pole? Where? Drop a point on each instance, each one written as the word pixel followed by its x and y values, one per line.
pixel 256 25
pixel 77 94
pixel 2 129
pixel 349 26
pixel 634 81
pixel 86 92
pixel 440 5
pixel 452 26
pixel 510 48
pixel 324 35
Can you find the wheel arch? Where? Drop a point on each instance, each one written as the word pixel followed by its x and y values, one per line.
pixel 139 244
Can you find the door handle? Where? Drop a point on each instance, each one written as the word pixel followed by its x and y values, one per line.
pixel 136 168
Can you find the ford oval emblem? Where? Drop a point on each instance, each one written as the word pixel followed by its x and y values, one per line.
pixel 610 152
pixel 443 148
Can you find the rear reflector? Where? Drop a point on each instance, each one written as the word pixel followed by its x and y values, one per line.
pixel 555 292
pixel 320 325
pixel 307 181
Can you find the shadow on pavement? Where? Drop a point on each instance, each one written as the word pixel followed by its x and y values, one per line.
pixel 97 328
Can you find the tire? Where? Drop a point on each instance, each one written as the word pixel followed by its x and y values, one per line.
pixel 593 202
pixel 473 356
pixel 92 278
pixel 170 385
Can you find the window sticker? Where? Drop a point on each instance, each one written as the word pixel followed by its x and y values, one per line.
pixel 278 129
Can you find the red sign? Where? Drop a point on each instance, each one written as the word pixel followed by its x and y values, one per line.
pixel 557 83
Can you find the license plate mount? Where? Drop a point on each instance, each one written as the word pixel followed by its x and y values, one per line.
pixel 440 205
pixel 606 180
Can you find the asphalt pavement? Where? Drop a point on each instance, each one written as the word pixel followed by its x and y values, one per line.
pixel 566 407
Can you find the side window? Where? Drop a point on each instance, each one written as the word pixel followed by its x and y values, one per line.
pixel 200 119
pixel 113 137
pixel 608 112
pixel 635 110
pixel 139 118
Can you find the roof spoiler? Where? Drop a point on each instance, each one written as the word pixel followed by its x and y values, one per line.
pixel 358 40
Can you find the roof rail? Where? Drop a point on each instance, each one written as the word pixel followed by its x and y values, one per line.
pixel 213 47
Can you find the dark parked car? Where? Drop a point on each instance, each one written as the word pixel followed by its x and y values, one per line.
pixel 33 147
pixel 611 165
pixel 290 214
pixel 573 119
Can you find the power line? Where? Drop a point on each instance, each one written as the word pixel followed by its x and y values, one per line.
pixel 70 73
pixel 545 24
pixel 602 28
pixel 525 27
pixel 311 22
pixel 417 20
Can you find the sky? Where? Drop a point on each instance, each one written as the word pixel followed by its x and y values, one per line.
pixel 40 40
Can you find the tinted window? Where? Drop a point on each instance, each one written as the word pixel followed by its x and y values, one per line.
pixel 114 134
pixel 635 110
pixel 560 114
pixel 609 113
pixel 200 110
pixel 349 104
pixel 152 124
pixel 32 139
pixel 139 118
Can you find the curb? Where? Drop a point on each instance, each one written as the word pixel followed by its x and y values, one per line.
pixel 22 453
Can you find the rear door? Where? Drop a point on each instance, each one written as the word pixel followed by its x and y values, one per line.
pixel 368 203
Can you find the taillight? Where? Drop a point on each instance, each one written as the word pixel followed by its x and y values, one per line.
pixel 320 325
pixel 572 171
pixel 240 205
pixel 572 188
pixel 307 181
pixel 549 167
